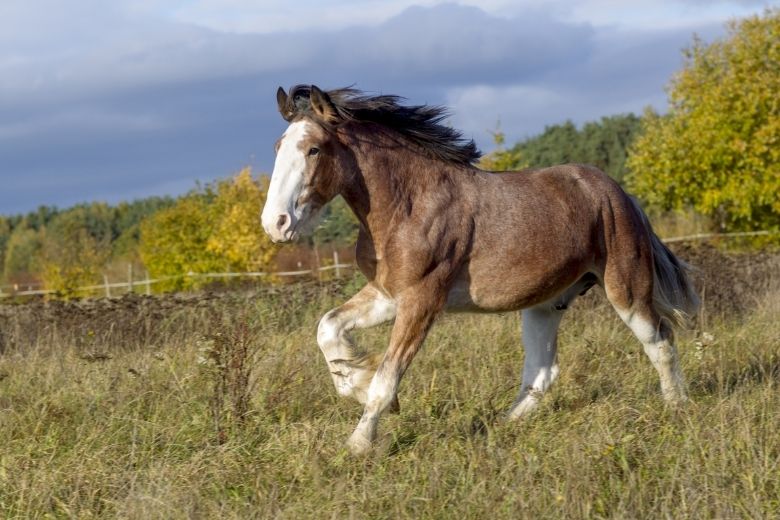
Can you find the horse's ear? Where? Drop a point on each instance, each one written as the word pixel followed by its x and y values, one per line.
pixel 284 107
pixel 322 105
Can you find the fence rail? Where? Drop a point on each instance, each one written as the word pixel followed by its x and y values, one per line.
pixel 146 283
pixel 704 236
pixel 14 290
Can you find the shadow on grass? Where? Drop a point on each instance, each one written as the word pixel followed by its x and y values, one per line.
pixel 402 441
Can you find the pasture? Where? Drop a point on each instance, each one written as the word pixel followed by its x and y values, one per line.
pixel 219 405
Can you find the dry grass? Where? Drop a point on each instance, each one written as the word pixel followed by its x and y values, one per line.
pixel 220 406
pixel 677 223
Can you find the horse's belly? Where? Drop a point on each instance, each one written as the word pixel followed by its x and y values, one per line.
pixel 466 297
pixel 507 290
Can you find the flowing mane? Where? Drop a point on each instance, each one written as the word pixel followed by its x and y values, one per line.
pixel 421 124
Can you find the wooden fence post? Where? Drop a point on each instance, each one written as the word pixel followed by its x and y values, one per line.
pixel 316 270
pixel 108 288
pixel 336 263
pixel 130 277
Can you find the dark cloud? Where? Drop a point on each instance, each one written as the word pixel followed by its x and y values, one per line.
pixel 450 45
pixel 150 107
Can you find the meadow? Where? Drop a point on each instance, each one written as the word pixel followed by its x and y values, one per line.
pixel 219 405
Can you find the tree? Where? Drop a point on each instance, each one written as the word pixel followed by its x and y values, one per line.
pixel 126 224
pixel 212 229
pixel 21 253
pixel 5 234
pixel 237 235
pixel 37 219
pixel 601 143
pixel 75 247
pixel 173 242
pixel 501 159
pixel 718 147
pixel 605 144
pixel 338 227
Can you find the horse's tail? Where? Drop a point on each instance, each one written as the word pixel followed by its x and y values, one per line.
pixel 673 293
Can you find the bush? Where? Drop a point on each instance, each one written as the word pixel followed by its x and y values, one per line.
pixel 718 147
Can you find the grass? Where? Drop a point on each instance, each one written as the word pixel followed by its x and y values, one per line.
pixel 221 406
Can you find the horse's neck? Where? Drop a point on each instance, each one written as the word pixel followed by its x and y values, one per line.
pixel 370 196
pixel 376 192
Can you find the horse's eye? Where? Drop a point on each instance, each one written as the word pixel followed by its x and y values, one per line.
pixel 314 151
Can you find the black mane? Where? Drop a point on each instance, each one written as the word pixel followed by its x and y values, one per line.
pixel 421 124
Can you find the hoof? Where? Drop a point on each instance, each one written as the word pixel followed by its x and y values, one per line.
pixel 523 408
pixel 676 401
pixel 359 445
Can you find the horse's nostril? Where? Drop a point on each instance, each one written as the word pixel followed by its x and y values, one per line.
pixel 281 221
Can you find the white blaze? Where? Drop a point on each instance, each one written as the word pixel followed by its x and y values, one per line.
pixel 286 183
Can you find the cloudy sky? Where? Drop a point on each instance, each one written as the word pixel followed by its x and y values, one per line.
pixel 122 99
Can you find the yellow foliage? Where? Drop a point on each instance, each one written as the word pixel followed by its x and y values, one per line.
pixel 173 242
pixel 71 256
pixel 718 148
pixel 216 229
pixel 238 235
pixel 64 279
pixel 501 159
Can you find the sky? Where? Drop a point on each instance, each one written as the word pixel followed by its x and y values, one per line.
pixel 110 101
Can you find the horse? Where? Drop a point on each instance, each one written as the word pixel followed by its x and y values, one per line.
pixel 436 233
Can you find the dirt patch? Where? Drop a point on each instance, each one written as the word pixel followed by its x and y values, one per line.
pixel 730 283
pixel 137 321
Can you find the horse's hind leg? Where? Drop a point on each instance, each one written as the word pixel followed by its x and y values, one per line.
pixel 540 342
pixel 657 340
pixel 632 298
pixel 352 367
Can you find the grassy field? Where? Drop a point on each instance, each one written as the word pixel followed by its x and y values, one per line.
pixel 220 406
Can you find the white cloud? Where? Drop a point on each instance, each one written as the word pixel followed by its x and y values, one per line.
pixel 645 15
pixel 273 16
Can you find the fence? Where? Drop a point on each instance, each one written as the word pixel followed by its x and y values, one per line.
pixel 146 283
pixel 704 236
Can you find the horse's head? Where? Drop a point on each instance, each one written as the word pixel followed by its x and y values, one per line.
pixel 306 175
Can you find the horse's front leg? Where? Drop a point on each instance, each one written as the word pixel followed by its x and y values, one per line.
pixel 416 313
pixel 352 367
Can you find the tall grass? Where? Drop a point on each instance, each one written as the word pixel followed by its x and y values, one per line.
pixel 221 406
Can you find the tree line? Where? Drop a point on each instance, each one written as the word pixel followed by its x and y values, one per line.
pixel 71 246
pixel 213 228
pixel 715 151
pixel 602 143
